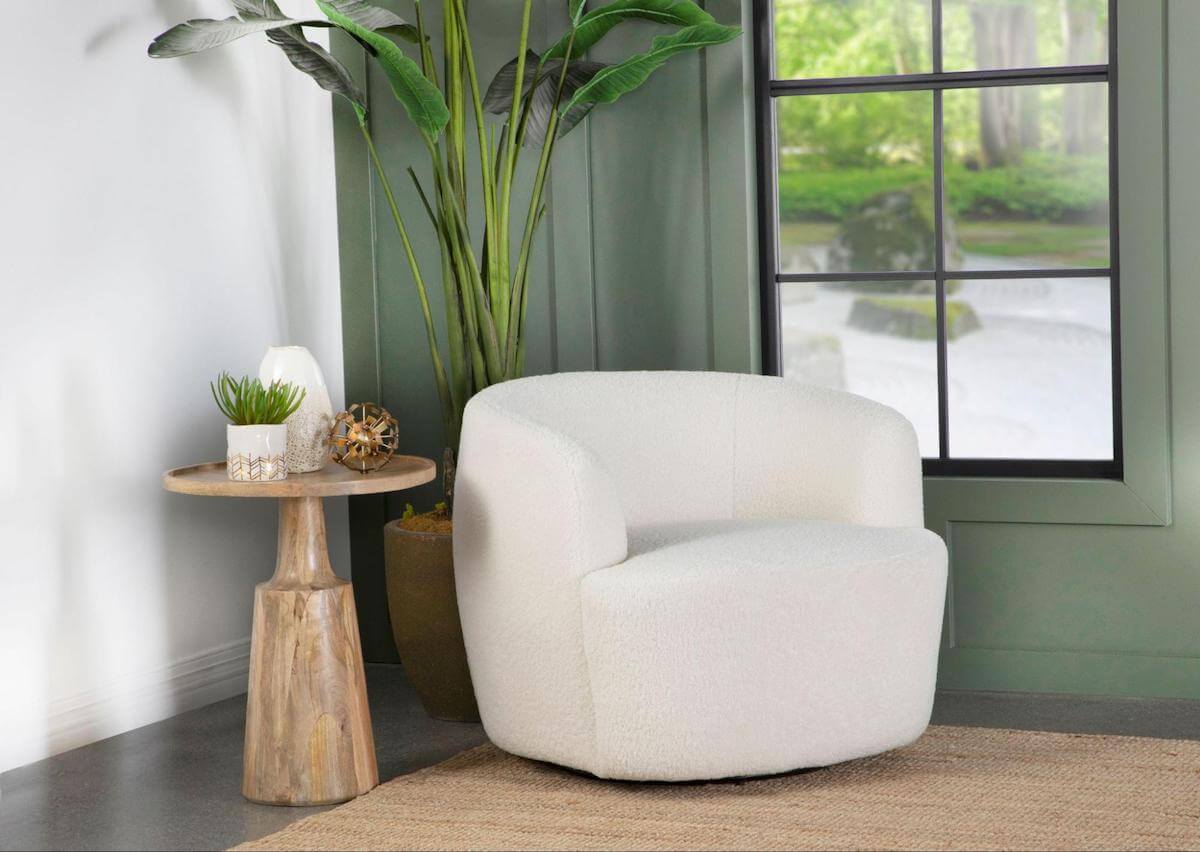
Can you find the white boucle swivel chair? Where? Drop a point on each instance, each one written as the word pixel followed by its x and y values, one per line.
pixel 678 576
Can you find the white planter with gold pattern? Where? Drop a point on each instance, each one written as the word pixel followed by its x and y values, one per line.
pixel 256 453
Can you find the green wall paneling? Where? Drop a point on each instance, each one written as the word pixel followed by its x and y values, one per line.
pixel 645 261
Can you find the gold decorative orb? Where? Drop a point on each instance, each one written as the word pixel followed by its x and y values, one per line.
pixel 364 437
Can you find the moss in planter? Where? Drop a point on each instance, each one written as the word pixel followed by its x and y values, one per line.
pixel 437 521
pixel 915 319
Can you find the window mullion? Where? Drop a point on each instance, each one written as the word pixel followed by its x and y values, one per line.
pixel 941 80
pixel 939 274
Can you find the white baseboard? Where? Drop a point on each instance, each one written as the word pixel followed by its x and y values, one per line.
pixel 142 699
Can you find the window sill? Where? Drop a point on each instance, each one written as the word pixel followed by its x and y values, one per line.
pixel 1041 501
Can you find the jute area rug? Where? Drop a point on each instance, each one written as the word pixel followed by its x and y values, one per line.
pixel 956 788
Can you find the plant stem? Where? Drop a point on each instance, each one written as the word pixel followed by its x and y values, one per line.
pixel 457 220
pixel 510 160
pixel 439 370
pixel 455 135
pixel 512 366
pixel 465 293
pixel 497 287
pixel 520 367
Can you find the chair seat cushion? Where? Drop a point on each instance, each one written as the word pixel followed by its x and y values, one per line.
pixel 751 647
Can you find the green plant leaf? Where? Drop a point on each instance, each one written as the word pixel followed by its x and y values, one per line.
pixel 596 24
pixel 246 402
pixel 420 98
pixel 622 78
pixel 499 93
pixel 204 33
pixel 579 73
pixel 307 56
pixel 566 122
pixel 318 63
pixel 575 9
pixel 248 9
pixel 364 14
pixel 377 19
pixel 264 16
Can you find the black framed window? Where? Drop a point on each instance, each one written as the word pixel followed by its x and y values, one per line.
pixel 937 221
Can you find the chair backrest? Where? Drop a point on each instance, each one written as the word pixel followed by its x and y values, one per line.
pixel 695 446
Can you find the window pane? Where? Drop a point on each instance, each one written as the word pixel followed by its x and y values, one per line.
pixel 1031 376
pixel 1027 176
pixel 1023 33
pixel 851 38
pixel 855 182
pixel 876 340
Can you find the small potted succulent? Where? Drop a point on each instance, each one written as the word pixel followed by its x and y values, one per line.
pixel 256 435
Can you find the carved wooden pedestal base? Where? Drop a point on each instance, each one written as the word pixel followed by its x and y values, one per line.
pixel 308 727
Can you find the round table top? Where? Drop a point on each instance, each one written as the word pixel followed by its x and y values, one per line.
pixel 333 480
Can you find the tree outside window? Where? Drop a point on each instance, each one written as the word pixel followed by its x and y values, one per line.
pixel 963 147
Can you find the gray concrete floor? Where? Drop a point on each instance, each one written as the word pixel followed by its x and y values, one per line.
pixel 176 784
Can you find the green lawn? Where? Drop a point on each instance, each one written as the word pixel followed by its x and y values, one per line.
pixel 1043 242
pixel 1040 242
pixel 807 233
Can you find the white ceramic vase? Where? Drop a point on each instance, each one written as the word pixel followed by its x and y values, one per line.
pixel 256 453
pixel 308 428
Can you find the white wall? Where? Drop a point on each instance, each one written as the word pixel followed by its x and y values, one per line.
pixel 160 220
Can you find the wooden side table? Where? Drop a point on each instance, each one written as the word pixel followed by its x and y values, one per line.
pixel 308 727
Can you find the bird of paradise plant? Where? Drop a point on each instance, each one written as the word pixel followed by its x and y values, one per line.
pixel 539 97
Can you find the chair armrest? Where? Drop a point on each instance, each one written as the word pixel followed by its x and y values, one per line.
pixel 531 502
pixel 534 512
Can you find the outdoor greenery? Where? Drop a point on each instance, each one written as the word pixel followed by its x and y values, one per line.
pixel 1071 245
pixel 842 38
pixel 246 402
pixel 1030 153
pixel 472 170
pixel 1045 186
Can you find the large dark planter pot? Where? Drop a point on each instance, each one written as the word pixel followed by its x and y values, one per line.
pixel 425 623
